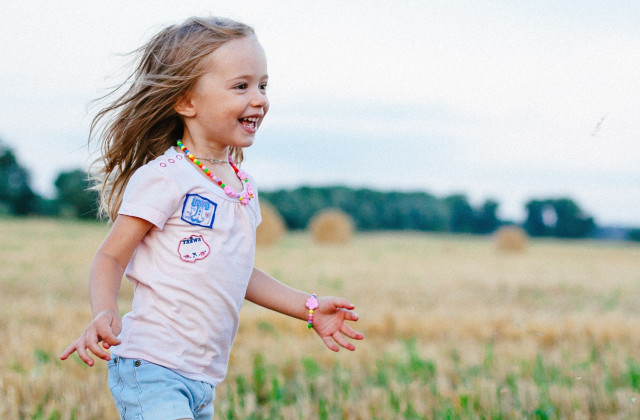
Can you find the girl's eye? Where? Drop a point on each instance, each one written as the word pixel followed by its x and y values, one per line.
pixel 241 86
pixel 263 86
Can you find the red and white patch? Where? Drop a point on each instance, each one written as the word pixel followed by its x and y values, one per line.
pixel 193 248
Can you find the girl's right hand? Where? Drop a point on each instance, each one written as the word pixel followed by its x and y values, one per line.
pixel 104 328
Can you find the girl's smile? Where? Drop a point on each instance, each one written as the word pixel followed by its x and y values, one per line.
pixel 228 102
pixel 250 124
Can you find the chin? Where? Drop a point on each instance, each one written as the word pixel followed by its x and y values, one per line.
pixel 245 143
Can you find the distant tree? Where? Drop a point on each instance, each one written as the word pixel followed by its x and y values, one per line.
pixel 487 217
pixel 634 235
pixel 46 206
pixel 74 193
pixel 535 223
pixel 462 217
pixel 560 218
pixel 571 221
pixel 370 210
pixel 16 194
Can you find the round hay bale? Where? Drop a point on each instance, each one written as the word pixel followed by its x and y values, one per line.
pixel 331 226
pixel 272 228
pixel 511 238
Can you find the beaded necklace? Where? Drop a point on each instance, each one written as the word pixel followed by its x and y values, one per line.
pixel 242 176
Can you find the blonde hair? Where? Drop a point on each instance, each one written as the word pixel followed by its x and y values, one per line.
pixel 141 123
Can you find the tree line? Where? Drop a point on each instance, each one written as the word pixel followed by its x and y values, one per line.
pixel 378 210
pixel 370 209
pixel 73 198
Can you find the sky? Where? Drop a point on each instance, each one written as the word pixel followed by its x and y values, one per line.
pixel 502 100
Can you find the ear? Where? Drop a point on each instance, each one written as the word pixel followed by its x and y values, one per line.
pixel 185 106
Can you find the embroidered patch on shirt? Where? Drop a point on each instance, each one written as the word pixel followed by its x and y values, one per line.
pixel 198 211
pixel 193 248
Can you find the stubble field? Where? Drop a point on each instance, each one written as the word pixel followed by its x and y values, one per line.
pixel 454 329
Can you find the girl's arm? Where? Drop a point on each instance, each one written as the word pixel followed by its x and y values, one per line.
pixel 105 278
pixel 328 320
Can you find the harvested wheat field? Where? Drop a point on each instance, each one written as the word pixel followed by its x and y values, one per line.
pixel 454 329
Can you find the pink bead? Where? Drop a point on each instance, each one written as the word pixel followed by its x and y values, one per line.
pixel 242 176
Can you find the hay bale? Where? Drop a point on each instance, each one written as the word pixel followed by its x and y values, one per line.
pixel 511 238
pixel 331 226
pixel 272 228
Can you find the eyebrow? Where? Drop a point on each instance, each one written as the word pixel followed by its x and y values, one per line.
pixel 247 76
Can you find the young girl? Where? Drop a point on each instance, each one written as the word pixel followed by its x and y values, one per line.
pixel 184 224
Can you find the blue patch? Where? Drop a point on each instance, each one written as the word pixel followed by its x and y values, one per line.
pixel 198 211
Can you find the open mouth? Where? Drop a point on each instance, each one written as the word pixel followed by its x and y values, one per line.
pixel 250 123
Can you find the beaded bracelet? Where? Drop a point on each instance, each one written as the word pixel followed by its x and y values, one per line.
pixel 312 303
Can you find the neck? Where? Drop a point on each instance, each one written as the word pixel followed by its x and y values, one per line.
pixel 204 149
pixel 243 197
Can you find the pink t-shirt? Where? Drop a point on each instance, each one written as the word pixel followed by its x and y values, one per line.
pixel 191 270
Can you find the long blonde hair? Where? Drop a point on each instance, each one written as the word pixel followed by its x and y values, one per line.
pixel 141 123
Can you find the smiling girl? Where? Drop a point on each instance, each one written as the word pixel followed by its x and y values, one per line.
pixel 184 224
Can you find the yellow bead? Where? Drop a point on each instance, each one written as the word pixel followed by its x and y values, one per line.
pixel 310 311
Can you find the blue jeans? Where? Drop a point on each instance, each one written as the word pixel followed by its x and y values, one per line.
pixel 143 390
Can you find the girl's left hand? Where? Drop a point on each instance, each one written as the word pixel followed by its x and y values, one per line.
pixel 329 322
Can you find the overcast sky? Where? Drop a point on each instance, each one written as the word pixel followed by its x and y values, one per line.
pixel 508 100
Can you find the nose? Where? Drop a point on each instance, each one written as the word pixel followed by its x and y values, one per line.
pixel 259 99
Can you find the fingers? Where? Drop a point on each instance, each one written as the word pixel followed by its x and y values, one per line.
pixel 97 349
pixel 80 346
pixel 68 351
pixel 339 338
pixel 91 341
pixel 342 303
pixel 84 356
pixel 110 339
pixel 330 344
pixel 351 316
pixel 350 332
pixel 99 336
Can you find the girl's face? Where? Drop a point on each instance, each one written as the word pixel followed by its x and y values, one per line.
pixel 229 101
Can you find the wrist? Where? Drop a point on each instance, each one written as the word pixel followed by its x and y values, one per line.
pixel 113 311
pixel 311 305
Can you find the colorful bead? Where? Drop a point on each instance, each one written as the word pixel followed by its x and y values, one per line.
pixel 311 304
pixel 242 176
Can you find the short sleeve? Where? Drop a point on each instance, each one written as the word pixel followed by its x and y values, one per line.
pixel 150 195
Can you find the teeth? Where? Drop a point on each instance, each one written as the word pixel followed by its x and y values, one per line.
pixel 253 120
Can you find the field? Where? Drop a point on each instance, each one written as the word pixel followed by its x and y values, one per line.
pixel 454 329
